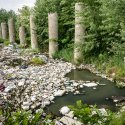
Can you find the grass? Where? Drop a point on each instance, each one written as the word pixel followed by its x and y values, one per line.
pixel 6 42
pixel 1 40
pixel 113 66
pixel 65 54
pixel 37 61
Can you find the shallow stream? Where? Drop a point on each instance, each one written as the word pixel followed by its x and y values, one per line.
pixel 92 96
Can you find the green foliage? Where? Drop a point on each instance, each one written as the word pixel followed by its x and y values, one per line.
pixel 65 11
pixel 23 20
pixel 37 61
pixel 65 54
pixel 118 119
pixel 5 15
pixel 1 40
pixel 90 115
pixel 6 42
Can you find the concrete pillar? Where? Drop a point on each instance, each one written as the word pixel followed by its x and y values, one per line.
pixel 79 33
pixel 22 36
pixel 0 32
pixel 53 33
pixel 34 43
pixel 4 30
pixel 11 26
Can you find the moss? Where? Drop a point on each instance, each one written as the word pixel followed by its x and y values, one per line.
pixel 6 42
pixel 37 61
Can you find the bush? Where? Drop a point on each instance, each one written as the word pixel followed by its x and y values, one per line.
pixel 65 54
pixel 91 115
pixel 37 61
pixel 6 42
pixel 1 40
pixel 118 119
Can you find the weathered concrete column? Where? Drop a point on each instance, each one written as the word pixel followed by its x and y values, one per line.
pixel 34 43
pixel 53 33
pixel 0 32
pixel 4 30
pixel 11 27
pixel 22 36
pixel 79 33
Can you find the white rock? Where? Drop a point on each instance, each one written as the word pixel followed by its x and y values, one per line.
pixel 47 102
pixel 92 84
pixel 70 114
pixel 26 103
pixel 58 123
pixel 21 83
pixel 59 93
pixel 69 121
pixel 25 107
pixel 75 84
pixel 81 86
pixel 9 88
pixel 64 110
pixel 51 98
pixel 33 106
pixel 103 112
pixel 33 98
pixel 33 83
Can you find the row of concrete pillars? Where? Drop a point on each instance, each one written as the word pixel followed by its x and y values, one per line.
pixel 53 33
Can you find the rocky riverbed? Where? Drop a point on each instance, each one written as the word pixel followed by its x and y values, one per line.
pixel 30 86
pixel 33 85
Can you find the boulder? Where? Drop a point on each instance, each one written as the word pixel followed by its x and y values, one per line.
pixel 92 84
pixel 59 93
pixel 64 110
pixel 69 121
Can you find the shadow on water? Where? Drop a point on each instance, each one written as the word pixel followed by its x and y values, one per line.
pixel 93 96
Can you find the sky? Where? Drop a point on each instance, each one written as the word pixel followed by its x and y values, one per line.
pixel 15 4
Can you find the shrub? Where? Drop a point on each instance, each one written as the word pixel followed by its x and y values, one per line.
pixel 118 119
pixel 6 42
pixel 91 115
pixel 65 54
pixel 37 61
pixel 1 40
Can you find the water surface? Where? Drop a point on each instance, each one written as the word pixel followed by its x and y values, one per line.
pixel 93 97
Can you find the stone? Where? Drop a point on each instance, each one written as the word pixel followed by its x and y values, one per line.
pixel 21 83
pixel 81 86
pixel 34 42
pixel 25 107
pixel 9 88
pixel 58 123
pixel 26 103
pixel 53 33
pixel 69 121
pixel 4 30
pixel 33 98
pixel 92 84
pixel 79 33
pixel 51 98
pixel 70 114
pixel 59 93
pixel 103 112
pixel 22 36
pixel 11 27
pixel 0 32
pixel 64 110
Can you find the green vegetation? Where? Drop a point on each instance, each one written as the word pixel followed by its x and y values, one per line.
pixel 91 115
pixel 37 61
pixel 5 15
pixel 118 119
pixel 6 42
pixel 21 117
pixel 65 54
pixel 1 40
